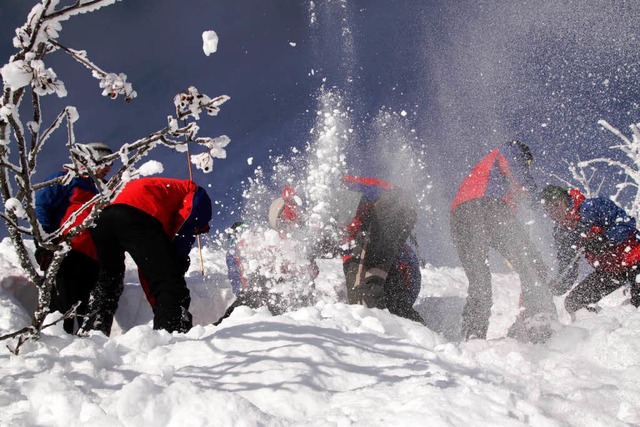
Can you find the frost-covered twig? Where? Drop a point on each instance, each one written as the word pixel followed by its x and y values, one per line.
pixel 28 332
pixel 580 176
pixel 629 169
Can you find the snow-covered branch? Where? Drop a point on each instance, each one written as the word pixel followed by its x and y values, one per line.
pixel 630 168
pixel 111 83
pixel 578 174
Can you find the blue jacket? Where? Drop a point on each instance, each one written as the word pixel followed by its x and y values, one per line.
pixel 54 204
pixel 601 212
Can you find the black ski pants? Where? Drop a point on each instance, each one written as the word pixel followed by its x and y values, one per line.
pixel 122 228
pixel 75 280
pixel 482 224
pixel 599 284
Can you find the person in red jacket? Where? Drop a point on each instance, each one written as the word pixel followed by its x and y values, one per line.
pixel 78 271
pixel 483 216
pixel 156 221
pixel 368 222
pixel 605 234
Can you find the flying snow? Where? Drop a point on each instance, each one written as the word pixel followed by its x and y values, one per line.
pixel 209 42
pixel 152 167
pixel 14 205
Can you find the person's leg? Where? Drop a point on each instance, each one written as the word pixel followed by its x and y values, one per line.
pixel 103 300
pixel 76 279
pixel 390 222
pixel 397 296
pixel 592 289
pixel 354 275
pixel 144 239
pixel 511 240
pixel 60 298
pixel 634 286
pixel 471 241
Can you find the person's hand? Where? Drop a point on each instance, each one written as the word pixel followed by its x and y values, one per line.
pixel 202 230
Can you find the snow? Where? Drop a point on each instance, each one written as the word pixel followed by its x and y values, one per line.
pixel 151 167
pixel 209 42
pixel 13 205
pixel 16 75
pixel 329 364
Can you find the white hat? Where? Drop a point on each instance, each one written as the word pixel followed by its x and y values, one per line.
pixel 99 149
pixel 275 210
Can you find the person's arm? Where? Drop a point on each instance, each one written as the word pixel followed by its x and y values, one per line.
pixel 195 217
pixel 48 206
pixel 565 243
pixel 521 187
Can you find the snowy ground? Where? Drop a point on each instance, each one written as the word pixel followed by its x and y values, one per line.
pixel 326 365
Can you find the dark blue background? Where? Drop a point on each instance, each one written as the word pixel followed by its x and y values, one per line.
pixel 469 73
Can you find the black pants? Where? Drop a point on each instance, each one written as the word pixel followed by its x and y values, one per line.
pixel 482 224
pixel 599 284
pixel 74 282
pixel 120 229
pixel 386 229
pixel 396 297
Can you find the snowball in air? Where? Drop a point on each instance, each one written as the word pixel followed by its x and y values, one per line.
pixel 292 44
pixel 250 160
pixel 209 42
pixel 151 167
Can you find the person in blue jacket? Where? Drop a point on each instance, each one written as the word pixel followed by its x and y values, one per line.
pixel 605 234
pixel 78 272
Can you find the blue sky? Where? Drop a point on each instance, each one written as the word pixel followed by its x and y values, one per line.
pixel 469 74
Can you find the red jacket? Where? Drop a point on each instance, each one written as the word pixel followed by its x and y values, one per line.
pixel 496 176
pixel 182 207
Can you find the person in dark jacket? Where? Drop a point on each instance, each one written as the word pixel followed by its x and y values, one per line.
pixel 605 234
pixel 370 221
pixel 156 221
pixel 483 217
pixel 78 271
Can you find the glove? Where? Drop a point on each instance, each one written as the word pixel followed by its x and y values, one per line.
pixel 202 230
pixel 43 257
pixel 183 265
pixel 596 244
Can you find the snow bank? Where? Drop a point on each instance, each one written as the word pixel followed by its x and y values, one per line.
pixel 329 364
